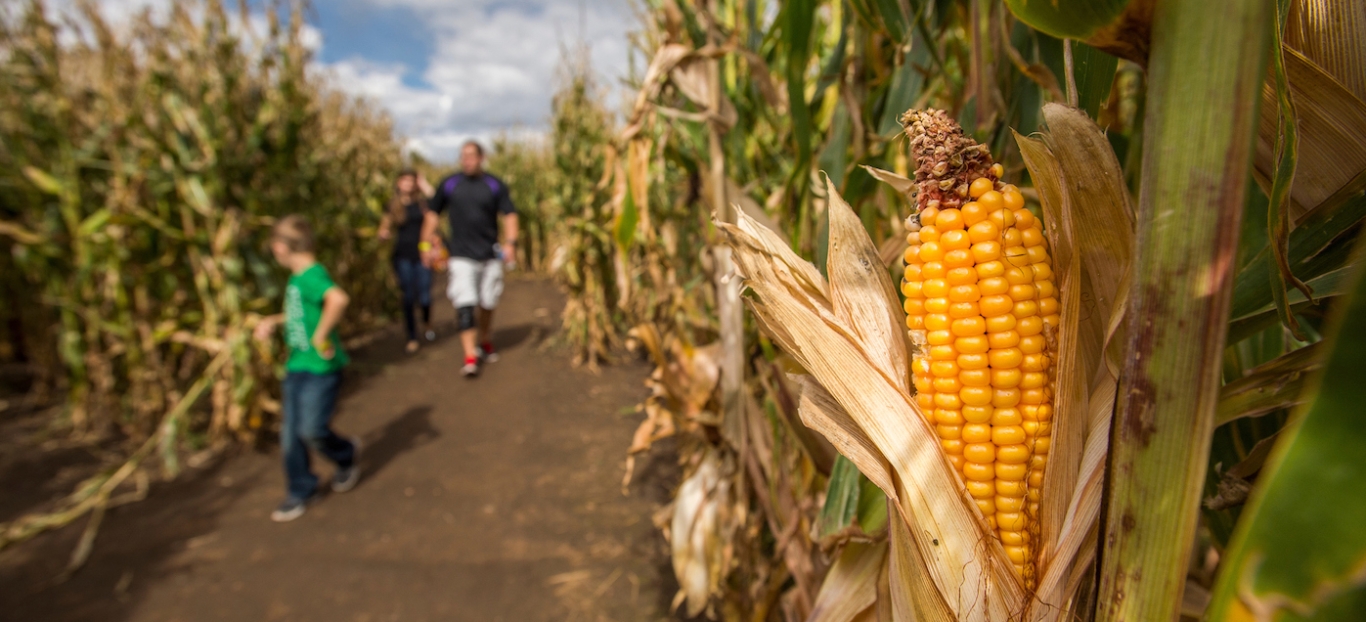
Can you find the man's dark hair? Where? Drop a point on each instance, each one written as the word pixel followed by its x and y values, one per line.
pixel 474 143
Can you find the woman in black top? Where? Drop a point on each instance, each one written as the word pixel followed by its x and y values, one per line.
pixel 403 223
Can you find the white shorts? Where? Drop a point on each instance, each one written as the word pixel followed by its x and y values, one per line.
pixel 473 282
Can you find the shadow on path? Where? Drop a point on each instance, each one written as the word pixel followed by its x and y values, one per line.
pixel 138 546
pixel 505 338
pixel 407 432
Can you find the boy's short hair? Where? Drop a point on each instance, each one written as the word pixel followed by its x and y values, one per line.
pixel 295 232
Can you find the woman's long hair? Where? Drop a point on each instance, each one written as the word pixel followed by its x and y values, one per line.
pixel 400 201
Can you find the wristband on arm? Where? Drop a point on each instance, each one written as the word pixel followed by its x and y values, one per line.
pixel 424 246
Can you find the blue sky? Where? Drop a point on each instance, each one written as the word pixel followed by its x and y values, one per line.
pixel 450 70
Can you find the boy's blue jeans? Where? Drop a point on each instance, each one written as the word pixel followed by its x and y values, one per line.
pixel 309 400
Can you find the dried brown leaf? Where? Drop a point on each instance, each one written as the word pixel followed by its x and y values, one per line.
pixel 914 595
pixel 851 585
pixel 1332 34
pixel 903 185
pixel 693 78
pixel 1089 215
pixel 820 412
pixel 862 293
pixel 1331 124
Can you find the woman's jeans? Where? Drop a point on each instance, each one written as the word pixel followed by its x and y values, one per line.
pixel 416 281
pixel 309 400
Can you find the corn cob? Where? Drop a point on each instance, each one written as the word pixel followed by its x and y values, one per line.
pixel 979 293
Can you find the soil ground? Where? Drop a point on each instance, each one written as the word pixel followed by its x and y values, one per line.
pixel 492 499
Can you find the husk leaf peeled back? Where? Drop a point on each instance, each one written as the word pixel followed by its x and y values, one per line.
pixel 827 338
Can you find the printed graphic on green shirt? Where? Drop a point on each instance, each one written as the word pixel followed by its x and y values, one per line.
pixel 303 308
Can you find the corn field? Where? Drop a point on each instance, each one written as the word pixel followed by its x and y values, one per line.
pixel 958 310
pixel 141 168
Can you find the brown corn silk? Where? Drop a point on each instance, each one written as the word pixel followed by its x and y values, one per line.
pixel 982 311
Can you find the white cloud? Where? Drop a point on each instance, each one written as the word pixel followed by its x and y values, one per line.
pixel 493 68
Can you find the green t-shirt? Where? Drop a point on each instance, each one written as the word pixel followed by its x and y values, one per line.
pixel 303 308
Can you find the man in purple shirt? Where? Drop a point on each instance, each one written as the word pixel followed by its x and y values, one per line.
pixel 476 203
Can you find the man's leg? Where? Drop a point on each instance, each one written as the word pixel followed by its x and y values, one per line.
pixel 468 332
pixel 490 291
pixel 463 290
pixel 485 326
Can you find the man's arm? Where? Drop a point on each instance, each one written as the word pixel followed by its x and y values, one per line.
pixel 429 223
pixel 509 212
pixel 335 301
pixel 435 206
pixel 510 237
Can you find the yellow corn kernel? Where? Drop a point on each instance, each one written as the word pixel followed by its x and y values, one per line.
pixel 981 490
pixel 976 433
pixel 977 415
pixel 969 327
pixel 949 220
pixel 973 213
pixel 953 240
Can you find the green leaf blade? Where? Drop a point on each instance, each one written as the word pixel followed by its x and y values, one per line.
pixel 1301 541
pixel 1068 19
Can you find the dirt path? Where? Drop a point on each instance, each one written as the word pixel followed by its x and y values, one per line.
pixel 493 499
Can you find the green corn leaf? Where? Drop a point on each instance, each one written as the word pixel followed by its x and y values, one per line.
pixel 872 506
pixel 1278 215
pixel 1068 19
pixel 834 157
pixel 1299 548
pixel 1326 286
pixel 906 87
pixel 799 16
pixel 1316 248
pixel 841 498
pixel 45 182
pixel 625 233
pixel 1093 70
pixel 893 18
pixel 94 222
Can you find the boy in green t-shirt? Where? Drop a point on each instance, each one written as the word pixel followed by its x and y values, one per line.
pixel 313 307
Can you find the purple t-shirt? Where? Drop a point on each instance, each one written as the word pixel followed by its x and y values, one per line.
pixel 474 204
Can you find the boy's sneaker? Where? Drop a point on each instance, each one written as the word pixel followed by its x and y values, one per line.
pixel 486 353
pixel 346 479
pixel 471 368
pixel 430 335
pixel 289 510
